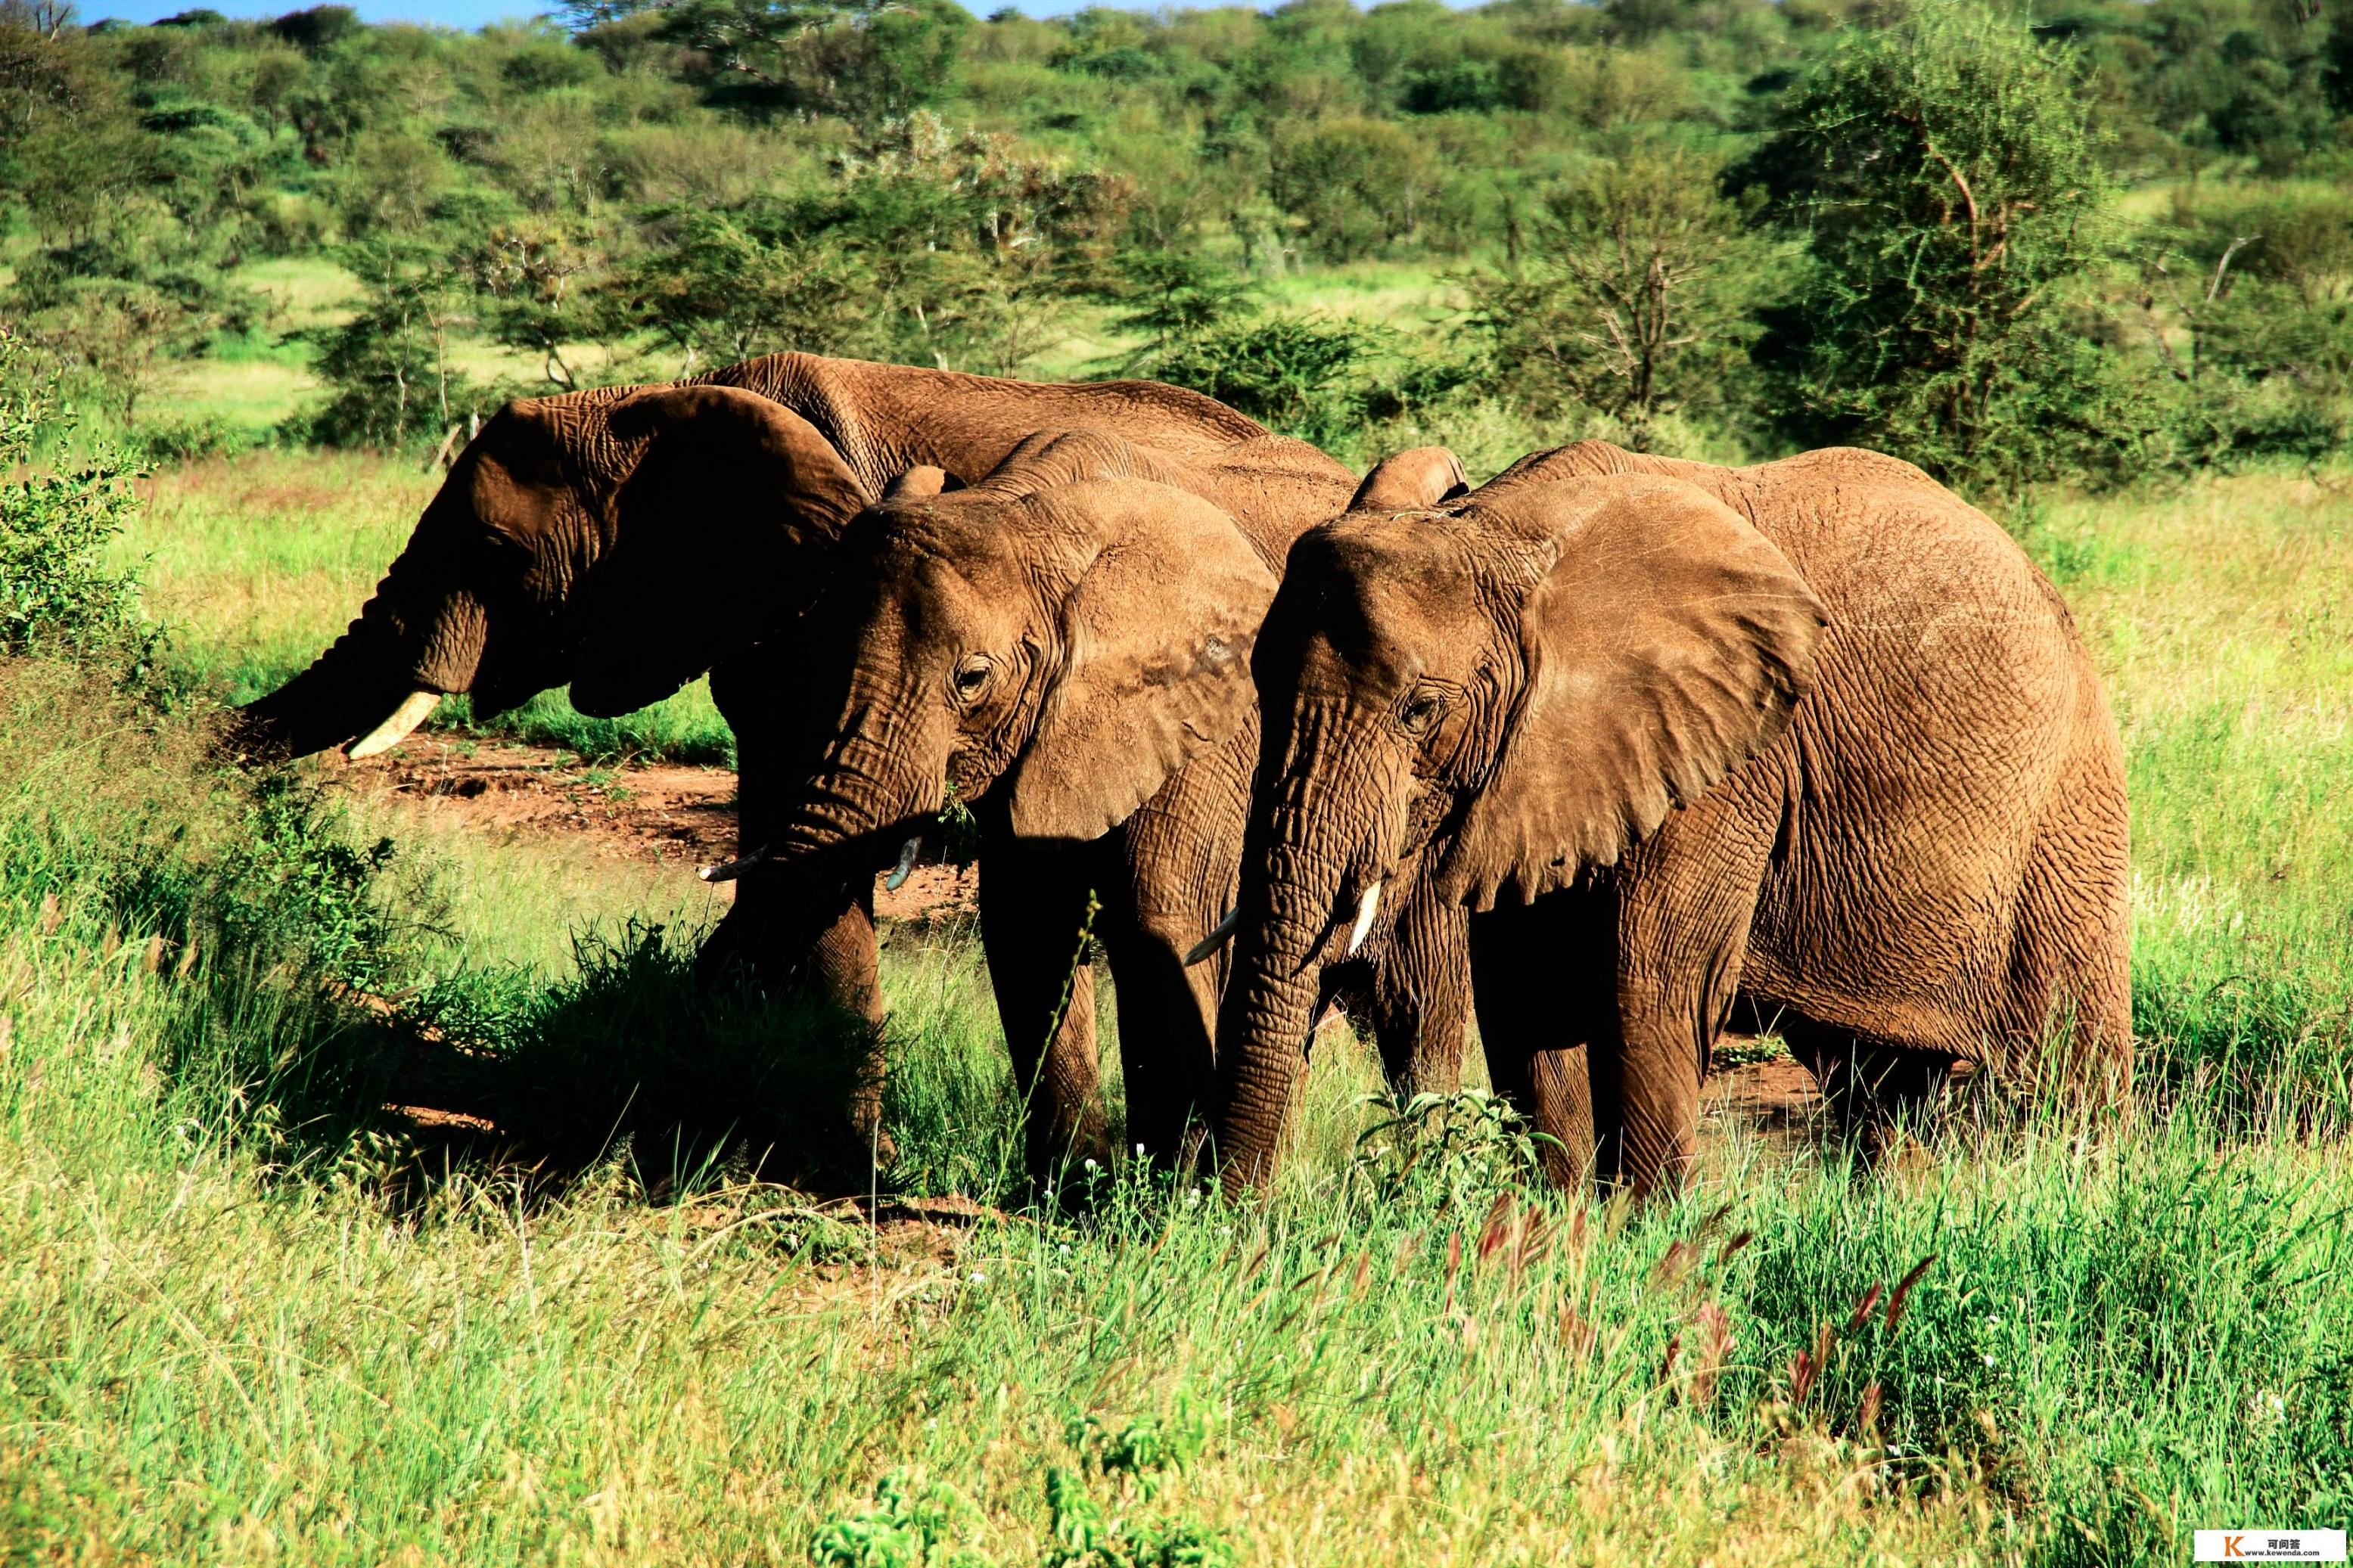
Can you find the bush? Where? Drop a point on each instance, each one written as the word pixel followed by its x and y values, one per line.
pixel 57 594
pixel 388 367
pixel 1945 176
pixel 1315 377
pixel 1632 297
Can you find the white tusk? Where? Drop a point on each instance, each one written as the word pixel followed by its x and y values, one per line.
pixel 1368 907
pixel 412 711
pixel 906 864
pixel 1220 934
pixel 728 870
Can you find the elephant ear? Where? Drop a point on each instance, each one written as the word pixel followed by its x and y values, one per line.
pixel 1419 476
pixel 1664 641
pixel 1156 643
pixel 710 537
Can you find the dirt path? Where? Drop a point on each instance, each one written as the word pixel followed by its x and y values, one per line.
pixel 660 813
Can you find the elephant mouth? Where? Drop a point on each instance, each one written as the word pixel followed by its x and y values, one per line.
pixel 895 850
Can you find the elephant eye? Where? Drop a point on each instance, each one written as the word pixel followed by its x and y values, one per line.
pixel 1420 711
pixel 972 677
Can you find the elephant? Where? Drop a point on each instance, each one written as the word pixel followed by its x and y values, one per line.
pixel 578 537
pixel 1813 739
pixel 1061 650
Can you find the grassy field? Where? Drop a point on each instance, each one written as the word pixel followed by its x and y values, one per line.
pixel 248 1318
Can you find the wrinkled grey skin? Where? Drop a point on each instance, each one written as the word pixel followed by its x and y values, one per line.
pixel 1062 650
pixel 1811 745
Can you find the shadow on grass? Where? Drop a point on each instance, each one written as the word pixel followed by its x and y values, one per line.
pixel 630 1060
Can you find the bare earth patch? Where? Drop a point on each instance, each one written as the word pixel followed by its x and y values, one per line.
pixel 659 813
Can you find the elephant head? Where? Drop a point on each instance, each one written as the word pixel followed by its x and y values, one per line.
pixel 1500 693
pixel 1047 646
pixel 576 539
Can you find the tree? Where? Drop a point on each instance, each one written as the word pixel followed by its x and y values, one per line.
pixel 389 365
pixel 1945 173
pixel 723 286
pixel 1172 295
pixel 1352 184
pixel 865 60
pixel 1631 297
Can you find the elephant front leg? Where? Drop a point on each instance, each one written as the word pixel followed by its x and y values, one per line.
pixel 1420 995
pixel 812 941
pixel 1685 901
pixel 1543 977
pixel 1177 885
pixel 1035 927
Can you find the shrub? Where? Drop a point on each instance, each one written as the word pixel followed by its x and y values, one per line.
pixel 388 367
pixel 57 594
pixel 1945 176
pixel 1631 297
pixel 1315 377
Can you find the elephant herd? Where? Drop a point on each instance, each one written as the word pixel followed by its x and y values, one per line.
pixel 1619 750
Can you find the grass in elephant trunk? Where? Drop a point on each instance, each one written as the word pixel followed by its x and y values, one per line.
pixel 244 1315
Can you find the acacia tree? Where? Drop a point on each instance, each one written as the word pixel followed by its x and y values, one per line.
pixel 1945 176
pixel 1630 295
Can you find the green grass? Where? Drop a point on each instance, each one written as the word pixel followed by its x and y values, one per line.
pixel 248 1317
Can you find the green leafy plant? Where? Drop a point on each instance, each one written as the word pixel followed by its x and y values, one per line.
pixel 915 1521
pixel 58 594
pixel 1945 176
pixel 1450 1151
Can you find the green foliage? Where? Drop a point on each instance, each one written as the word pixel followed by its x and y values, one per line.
pixel 1632 294
pixel 2246 303
pixel 913 1522
pixel 1946 174
pixel 865 60
pixel 685 181
pixel 1318 377
pixel 60 595
pixel 1445 1150
pixel 388 368
pixel 1168 295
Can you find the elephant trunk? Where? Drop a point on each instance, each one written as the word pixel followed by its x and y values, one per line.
pixel 862 787
pixel 1287 919
pixel 408 644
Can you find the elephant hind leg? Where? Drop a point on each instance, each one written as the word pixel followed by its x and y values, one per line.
pixel 2070 984
pixel 1873 1090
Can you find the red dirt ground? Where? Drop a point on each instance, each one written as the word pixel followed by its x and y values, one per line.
pixel 661 811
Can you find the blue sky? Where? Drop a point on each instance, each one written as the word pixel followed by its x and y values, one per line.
pixel 467 14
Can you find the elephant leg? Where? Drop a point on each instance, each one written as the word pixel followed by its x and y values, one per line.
pixel 1175 883
pixel 811 941
pixel 1543 979
pixel 1420 995
pixel 1686 901
pixel 1873 1088
pixel 1034 926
